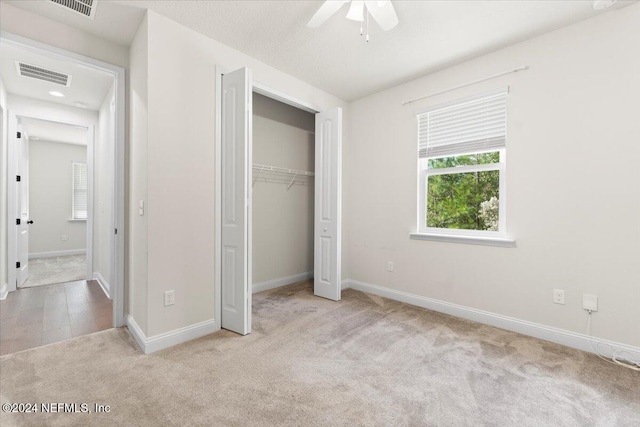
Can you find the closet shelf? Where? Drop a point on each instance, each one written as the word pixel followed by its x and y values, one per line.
pixel 266 168
pixel 277 169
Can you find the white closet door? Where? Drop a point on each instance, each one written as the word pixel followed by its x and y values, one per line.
pixel 236 201
pixel 327 233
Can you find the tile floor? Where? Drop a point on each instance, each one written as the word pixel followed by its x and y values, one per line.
pixel 60 269
pixel 31 317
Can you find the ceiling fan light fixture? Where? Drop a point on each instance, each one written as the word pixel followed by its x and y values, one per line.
pixel 356 11
pixel 381 11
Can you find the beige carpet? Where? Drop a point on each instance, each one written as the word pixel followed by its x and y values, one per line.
pixel 310 361
pixel 61 269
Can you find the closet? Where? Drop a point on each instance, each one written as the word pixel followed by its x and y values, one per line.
pixel 283 193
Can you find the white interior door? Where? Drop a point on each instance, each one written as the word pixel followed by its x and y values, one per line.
pixel 327 242
pixel 236 201
pixel 22 214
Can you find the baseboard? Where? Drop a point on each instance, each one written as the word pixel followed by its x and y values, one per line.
pixel 50 254
pixel 169 339
pixel 106 288
pixel 136 333
pixel 4 291
pixel 283 281
pixel 559 336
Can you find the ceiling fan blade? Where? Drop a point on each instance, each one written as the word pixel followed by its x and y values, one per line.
pixel 383 12
pixel 325 12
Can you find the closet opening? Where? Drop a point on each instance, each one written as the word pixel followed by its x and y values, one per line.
pixel 282 185
pixel 293 170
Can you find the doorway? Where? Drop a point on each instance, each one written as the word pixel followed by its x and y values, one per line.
pixel 234 169
pixel 100 292
pixel 55 232
pixel 282 193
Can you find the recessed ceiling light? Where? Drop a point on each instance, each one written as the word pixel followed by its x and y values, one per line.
pixel 603 4
pixel 80 104
pixel 56 93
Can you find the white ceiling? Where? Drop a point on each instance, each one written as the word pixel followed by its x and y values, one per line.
pixel 88 85
pixel 115 22
pixel 431 35
pixel 54 132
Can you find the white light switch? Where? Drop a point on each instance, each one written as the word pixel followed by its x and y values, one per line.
pixel 141 207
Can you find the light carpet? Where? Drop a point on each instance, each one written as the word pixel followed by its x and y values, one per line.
pixel 52 270
pixel 309 361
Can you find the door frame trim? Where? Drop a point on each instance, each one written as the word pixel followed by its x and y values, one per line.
pixel 12 233
pixel 269 92
pixel 118 200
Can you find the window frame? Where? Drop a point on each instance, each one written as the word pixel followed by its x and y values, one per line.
pixel 423 174
pixel 73 192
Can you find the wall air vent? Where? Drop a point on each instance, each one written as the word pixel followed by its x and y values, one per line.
pixel 40 73
pixel 83 7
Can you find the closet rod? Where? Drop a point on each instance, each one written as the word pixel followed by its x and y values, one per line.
pixel 268 168
pixel 515 70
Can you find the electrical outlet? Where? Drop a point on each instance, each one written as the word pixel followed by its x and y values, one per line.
pixel 558 296
pixel 64 237
pixel 390 266
pixel 169 298
pixel 590 302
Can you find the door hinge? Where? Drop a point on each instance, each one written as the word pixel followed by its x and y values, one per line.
pixel 17 221
pixel 18 178
pixel 19 134
pixel 116 231
pixel 17 265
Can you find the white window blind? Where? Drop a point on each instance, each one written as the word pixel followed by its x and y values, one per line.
pixel 469 126
pixel 80 187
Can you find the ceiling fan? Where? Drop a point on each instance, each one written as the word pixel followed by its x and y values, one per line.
pixel 381 11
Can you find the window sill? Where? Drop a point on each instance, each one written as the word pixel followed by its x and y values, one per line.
pixel 469 240
pixel 77 220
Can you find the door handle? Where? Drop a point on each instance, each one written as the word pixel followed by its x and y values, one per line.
pixel 29 222
pixel 324 229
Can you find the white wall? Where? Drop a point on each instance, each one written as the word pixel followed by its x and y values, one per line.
pixel 282 219
pixel 50 192
pixel 137 256
pixel 3 186
pixel 104 164
pixel 181 172
pixel 572 198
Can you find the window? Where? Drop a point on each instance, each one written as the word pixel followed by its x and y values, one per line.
pixel 462 154
pixel 79 193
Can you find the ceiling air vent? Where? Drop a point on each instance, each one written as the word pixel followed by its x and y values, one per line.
pixel 40 73
pixel 83 7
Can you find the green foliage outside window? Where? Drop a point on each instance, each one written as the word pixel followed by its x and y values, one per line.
pixel 467 201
